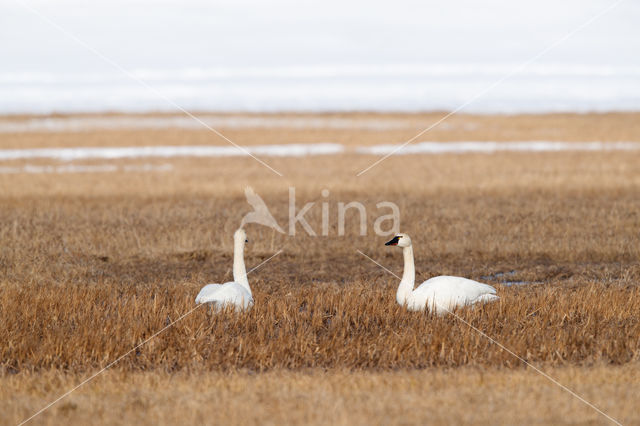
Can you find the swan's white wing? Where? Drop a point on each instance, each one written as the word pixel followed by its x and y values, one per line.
pixel 228 294
pixel 235 293
pixel 444 293
pixel 207 292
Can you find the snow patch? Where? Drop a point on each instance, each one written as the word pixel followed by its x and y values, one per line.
pixel 492 147
pixel 83 153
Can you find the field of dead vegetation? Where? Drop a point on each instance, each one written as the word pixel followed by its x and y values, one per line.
pixel 94 264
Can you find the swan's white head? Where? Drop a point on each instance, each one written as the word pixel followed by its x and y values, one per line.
pixel 240 236
pixel 400 240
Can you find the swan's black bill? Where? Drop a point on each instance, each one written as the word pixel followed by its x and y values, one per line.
pixel 393 242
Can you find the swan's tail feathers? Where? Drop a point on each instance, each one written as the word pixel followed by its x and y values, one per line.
pixel 487 298
pixel 260 214
pixel 200 298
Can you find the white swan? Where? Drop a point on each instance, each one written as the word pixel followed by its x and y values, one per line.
pixel 439 294
pixel 236 293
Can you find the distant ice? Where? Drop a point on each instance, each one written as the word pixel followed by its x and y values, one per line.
pixel 317 88
pixel 292 150
pixel 491 147
pixel 83 153
pixel 82 124
pixel 91 168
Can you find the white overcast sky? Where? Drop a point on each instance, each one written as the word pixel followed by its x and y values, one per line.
pixel 328 55
pixel 168 34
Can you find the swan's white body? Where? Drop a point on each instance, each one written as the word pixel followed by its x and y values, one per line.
pixel 439 294
pixel 236 293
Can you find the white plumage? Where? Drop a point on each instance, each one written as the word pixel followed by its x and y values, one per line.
pixel 236 293
pixel 229 293
pixel 439 294
pixel 443 294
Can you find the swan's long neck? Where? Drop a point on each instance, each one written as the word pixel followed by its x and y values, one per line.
pixel 239 270
pixel 408 276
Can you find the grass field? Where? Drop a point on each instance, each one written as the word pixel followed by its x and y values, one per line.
pixel 93 264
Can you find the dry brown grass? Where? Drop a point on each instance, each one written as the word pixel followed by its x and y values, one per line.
pixel 433 396
pixel 564 127
pixel 91 265
pixel 355 325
